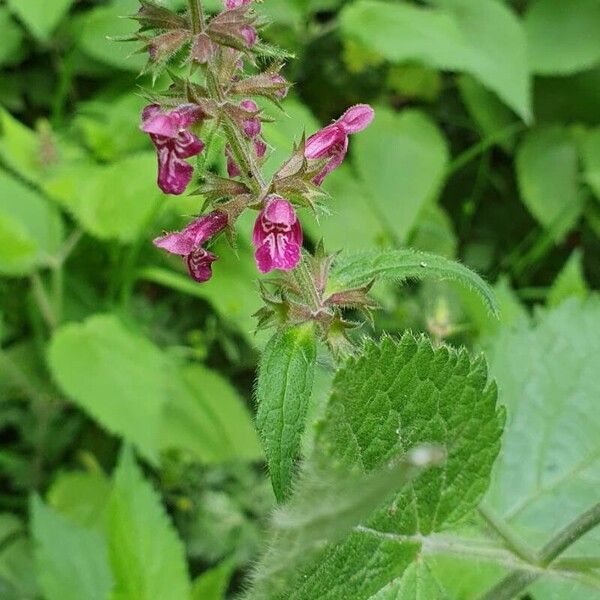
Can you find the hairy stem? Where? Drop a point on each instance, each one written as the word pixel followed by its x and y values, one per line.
pixel 196 15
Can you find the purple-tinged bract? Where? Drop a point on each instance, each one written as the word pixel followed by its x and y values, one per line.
pixel 277 236
pixel 169 133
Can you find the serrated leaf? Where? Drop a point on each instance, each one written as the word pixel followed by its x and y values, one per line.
pixel 481 37
pixel 393 397
pixel 573 28
pixel 548 377
pixel 72 562
pixel 548 176
pixel 354 270
pixel 128 390
pixel 147 557
pixel 283 392
pixel 401 159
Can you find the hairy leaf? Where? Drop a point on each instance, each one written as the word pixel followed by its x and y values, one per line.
pixel 147 557
pixel 283 391
pixel 354 270
pixel 394 397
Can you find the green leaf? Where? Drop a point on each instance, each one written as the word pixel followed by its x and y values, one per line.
pixel 355 270
pixel 401 159
pixel 548 470
pixel 492 117
pixel 12 38
pixel 283 392
pixel 394 397
pixel 19 147
pixel 590 155
pixel 82 497
pixel 109 201
pixel 573 29
pixel 207 418
pixel 115 375
pixel 570 282
pixel 212 584
pixel 17 569
pixel 72 562
pixel 101 25
pixel 483 38
pixel 147 557
pixel 547 171
pixel 40 18
pixel 31 229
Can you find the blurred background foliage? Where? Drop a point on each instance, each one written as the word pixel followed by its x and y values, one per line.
pixel 486 149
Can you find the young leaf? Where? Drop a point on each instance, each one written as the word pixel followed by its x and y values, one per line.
pixel 283 391
pixel 72 562
pixel 147 557
pixel 354 270
pixel 118 377
pixel 394 397
pixel 549 466
pixel 402 159
pixel 457 35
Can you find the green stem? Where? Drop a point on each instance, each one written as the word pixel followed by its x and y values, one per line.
pixel 511 541
pixel 42 301
pixel 196 15
pixel 519 580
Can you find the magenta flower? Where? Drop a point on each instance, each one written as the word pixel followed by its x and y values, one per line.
pixel 189 243
pixel 331 142
pixel 169 133
pixel 231 4
pixel 251 125
pixel 277 236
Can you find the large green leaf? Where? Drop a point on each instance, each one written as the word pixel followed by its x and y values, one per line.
pixel 207 418
pixel 147 556
pixel 393 397
pixel 72 562
pixel 480 37
pixel 112 201
pixel 117 376
pixel 31 229
pixel 357 269
pixel 547 170
pixel 101 25
pixel 283 392
pixel 40 17
pixel 401 159
pixel 548 471
pixel 563 36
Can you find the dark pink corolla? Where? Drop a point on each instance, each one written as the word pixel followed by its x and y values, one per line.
pixel 169 133
pixel 188 243
pixel 277 236
pixel 331 142
pixel 231 4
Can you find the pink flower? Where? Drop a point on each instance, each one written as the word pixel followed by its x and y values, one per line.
pixel 231 4
pixel 277 236
pixel 189 241
pixel 252 125
pixel 331 142
pixel 169 133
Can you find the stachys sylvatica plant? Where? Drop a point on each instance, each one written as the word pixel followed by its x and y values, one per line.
pixel 398 450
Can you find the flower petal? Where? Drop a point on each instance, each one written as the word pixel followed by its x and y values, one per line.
pixel 357 118
pixel 322 143
pixel 174 174
pixel 199 264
